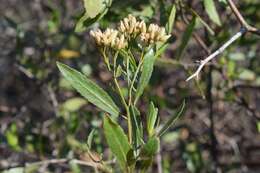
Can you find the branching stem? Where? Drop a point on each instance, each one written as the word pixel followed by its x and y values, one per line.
pixel 245 27
pixel 217 52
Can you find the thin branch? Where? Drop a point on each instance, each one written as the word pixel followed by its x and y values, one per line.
pixel 217 52
pixel 159 161
pixel 245 27
pixel 65 160
pixel 241 19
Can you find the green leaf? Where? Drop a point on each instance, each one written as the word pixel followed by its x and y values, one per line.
pixel 170 122
pixel 85 21
pixel 74 104
pixel 148 63
pixel 147 153
pixel 186 37
pixel 151 147
pixel 137 126
pixel 131 157
pixel 247 74
pixel 152 117
pixel 211 11
pixel 117 141
pixel 88 18
pixel 161 49
pixel 12 137
pixel 90 138
pixel 88 89
pixel 171 19
pixel 94 7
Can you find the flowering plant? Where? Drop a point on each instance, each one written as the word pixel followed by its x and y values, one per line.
pixel 129 53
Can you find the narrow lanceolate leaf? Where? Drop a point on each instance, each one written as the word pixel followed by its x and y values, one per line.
pixel 137 126
pixel 186 37
pixel 146 74
pixel 171 19
pixel 90 138
pixel 88 89
pixel 210 8
pixel 170 122
pixel 117 141
pixel 152 117
pixel 147 153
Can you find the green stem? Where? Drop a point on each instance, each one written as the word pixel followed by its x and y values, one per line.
pixel 134 79
pixel 106 59
pixel 129 124
pixel 127 71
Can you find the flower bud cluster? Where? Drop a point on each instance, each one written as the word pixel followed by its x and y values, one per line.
pixel 154 34
pixel 110 38
pixel 130 28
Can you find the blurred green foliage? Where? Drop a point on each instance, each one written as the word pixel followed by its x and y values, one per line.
pixel 45 118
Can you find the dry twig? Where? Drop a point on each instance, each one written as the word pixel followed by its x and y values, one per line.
pixel 245 27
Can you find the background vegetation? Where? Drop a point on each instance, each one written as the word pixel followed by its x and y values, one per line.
pixel 45 123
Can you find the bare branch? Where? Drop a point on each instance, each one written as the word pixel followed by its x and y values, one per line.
pixel 217 52
pixel 241 19
pixel 245 27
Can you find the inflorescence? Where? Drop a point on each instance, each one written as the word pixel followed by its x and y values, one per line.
pixel 130 28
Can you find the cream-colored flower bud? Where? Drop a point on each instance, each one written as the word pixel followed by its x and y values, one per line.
pixel 151 28
pixel 142 26
pixel 120 42
pixel 126 23
pixel 132 23
pixel 97 36
pixel 122 27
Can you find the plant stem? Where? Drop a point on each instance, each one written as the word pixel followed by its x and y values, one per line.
pixel 134 79
pixel 103 51
pixel 129 124
pixel 127 71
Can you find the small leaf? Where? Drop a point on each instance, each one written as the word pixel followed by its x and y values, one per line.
pixel 86 21
pixel 94 7
pixel 172 120
pixel 237 56
pixel 171 19
pixel 74 104
pixel 146 74
pixel 147 153
pixel 88 89
pixel 211 11
pixel 90 138
pixel 247 74
pixel 117 141
pixel 119 71
pixel 130 157
pixel 161 49
pixel 152 117
pixel 186 37
pixel 12 137
pixel 137 126
pixel 151 147
pixel 82 23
